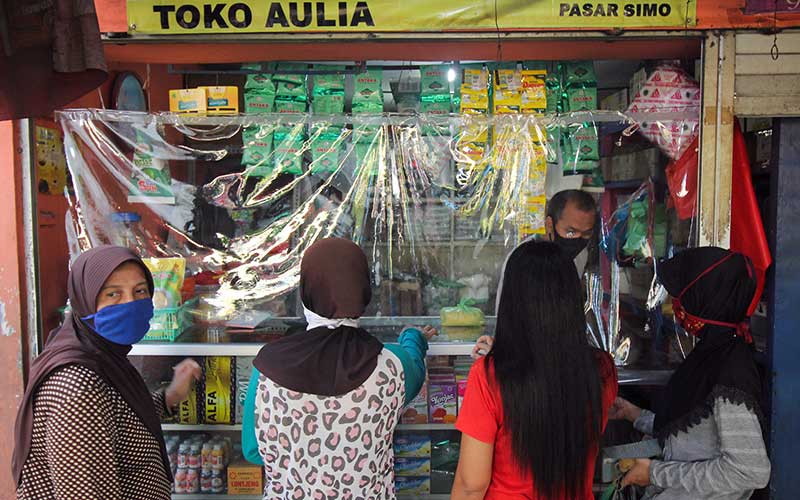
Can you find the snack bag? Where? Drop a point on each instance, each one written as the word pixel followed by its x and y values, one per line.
pixel 284 105
pixel 368 92
pixel 168 275
pixel 462 315
pixel 287 76
pixel 434 80
pixel 218 381
pixel 534 92
pixel 259 101
pixel 288 157
pixel 257 149
pixel 154 184
pixel 325 152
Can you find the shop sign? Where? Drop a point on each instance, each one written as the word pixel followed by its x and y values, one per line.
pixel 768 6
pixel 188 17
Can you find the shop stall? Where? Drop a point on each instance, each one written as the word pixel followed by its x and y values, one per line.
pixel 436 155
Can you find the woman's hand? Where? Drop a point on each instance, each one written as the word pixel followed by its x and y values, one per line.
pixel 482 346
pixel 639 474
pixel 429 332
pixel 185 374
pixel 622 409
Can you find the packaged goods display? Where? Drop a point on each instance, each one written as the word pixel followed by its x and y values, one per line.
pixel 199 462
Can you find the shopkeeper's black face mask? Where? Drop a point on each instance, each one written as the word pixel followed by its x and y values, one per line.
pixel 570 246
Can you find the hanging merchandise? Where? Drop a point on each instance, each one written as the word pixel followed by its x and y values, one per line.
pixel 682 181
pixel 368 93
pixel 580 148
pixel 221 100
pixel 580 83
pixel 151 181
pixel 328 95
pixel 257 150
pixel 637 234
pixel 289 148
pixel 259 91
pixel 669 89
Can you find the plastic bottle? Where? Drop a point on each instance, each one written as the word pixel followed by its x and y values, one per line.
pixel 206 485
pixel 217 457
pixel 180 480
pixel 218 481
pixel 205 456
pixel 194 456
pixel 183 455
pixel 193 481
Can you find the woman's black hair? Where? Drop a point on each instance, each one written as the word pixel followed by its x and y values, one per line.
pixel 548 376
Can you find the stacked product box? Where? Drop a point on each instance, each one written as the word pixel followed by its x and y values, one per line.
pixel 412 463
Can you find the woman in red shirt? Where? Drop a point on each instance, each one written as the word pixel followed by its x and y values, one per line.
pixel 536 406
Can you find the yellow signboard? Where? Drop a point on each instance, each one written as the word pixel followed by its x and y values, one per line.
pixel 187 17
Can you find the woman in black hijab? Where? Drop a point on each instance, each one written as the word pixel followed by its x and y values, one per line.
pixel 323 404
pixel 88 427
pixel 709 422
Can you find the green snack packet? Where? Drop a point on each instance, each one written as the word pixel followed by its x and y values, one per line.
pixel 154 184
pixel 325 152
pixel 582 99
pixel 291 90
pixel 329 83
pixel 257 148
pixel 536 65
pixel 259 101
pixel 579 74
pixel 434 80
pixel 288 157
pixel 553 89
pixel 580 149
pixel 283 105
pixel 328 104
pixel 368 93
pixel 436 105
pixel 286 74
pixel 259 82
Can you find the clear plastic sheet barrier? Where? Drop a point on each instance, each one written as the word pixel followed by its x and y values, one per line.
pixel 436 201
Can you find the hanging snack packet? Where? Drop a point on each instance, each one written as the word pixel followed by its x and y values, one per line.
pixel 256 150
pixel 507 101
pixel 329 92
pixel 168 274
pixel 534 92
pixel 286 73
pixel 580 149
pixel 283 105
pixel 434 80
pixel 325 151
pixel 259 101
pixel 509 79
pixel 261 80
pixel 368 93
pixel 151 181
pixel 581 86
pixel 554 89
pixel 582 99
pixel 288 156
pixel 437 105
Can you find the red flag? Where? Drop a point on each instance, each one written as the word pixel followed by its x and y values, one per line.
pixel 747 229
pixel 682 182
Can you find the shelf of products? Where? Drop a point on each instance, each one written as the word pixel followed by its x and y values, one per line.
pixel 201 428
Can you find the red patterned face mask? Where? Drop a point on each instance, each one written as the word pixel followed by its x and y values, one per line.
pixel 693 324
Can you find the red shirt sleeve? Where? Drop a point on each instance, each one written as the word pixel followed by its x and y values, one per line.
pixel 479 416
pixel 610 384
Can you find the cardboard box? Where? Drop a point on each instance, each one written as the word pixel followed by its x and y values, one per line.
pixel 410 485
pixel 637 165
pixel 412 466
pixel 222 100
pixel 618 101
pixel 245 479
pixel 188 101
pixel 412 444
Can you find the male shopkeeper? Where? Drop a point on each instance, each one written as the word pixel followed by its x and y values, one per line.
pixel 570 222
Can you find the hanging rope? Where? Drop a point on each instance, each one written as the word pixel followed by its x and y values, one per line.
pixel 774 51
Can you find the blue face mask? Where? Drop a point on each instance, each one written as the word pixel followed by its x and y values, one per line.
pixel 124 324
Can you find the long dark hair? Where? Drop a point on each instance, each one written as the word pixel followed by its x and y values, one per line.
pixel 548 376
